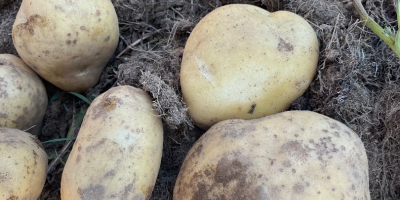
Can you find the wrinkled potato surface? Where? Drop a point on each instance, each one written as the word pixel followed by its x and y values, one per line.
pixel 23 165
pixel 241 61
pixel 23 98
pixel 296 155
pixel 117 153
pixel 68 43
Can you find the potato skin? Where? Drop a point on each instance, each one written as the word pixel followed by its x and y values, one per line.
pixel 68 43
pixel 23 98
pixel 297 155
pixel 23 165
pixel 117 153
pixel 241 61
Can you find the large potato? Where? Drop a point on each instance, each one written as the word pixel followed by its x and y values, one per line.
pixel 117 154
pixel 67 43
pixel 23 98
pixel 241 61
pixel 23 165
pixel 296 155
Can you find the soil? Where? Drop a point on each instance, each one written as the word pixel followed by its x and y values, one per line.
pixel 357 81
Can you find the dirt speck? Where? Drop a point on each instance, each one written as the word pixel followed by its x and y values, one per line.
pixel 252 108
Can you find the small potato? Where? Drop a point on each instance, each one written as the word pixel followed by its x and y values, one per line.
pixel 68 43
pixel 117 153
pixel 23 98
pixel 296 155
pixel 23 165
pixel 242 61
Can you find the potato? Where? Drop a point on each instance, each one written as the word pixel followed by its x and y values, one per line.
pixel 296 155
pixel 68 43
pixel 241 61
pixel 23 98
pixel 117 153
pixel 23 165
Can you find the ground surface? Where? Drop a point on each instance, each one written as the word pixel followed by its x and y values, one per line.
pixel 357 81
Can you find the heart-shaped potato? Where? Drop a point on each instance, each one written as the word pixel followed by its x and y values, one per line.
pixel 68 43
pixel 241 61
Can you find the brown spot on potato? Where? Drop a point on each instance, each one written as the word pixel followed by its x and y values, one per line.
pixel 287 163
pixel 83 28
pixel 12 198
pixel 334 125
pixel 109 104
pixel 78 159
pixel 228 170
pixel 92 192
pixel 34 22
pixel 107 39
pixel 295 149
pixel 4 176
pixel 284 46
pixel 298 188
pixel 110 173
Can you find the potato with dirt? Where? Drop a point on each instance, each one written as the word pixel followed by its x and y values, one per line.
pixel 23 98
pixel 68 43
pixel 23 165
pixel 241 61
pixel 297 155
pixel 118 150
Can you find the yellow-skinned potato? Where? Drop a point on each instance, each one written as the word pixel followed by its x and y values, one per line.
pixel 23 98
pixel 117 153
pixel 23 165
pixel 68 43
pixel 296 155
pixel 241 61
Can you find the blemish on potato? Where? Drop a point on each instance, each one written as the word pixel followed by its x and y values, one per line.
pixel 111 173
pixel 284 46
pixel 228 170
pixel 12 198
pixel 107 39
pixel 34 21
pixel 287 163
pixel 78 159
pixel 298 188
pixel 92 192
pixel 295 149
pixel 4 176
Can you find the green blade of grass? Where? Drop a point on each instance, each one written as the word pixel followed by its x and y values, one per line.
pixel 81 97
pixel 56 140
